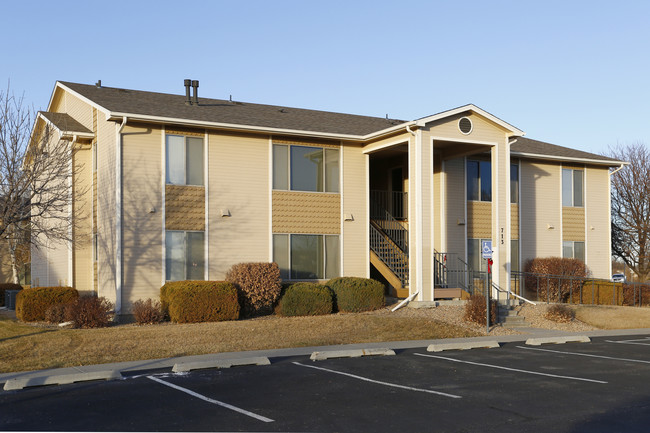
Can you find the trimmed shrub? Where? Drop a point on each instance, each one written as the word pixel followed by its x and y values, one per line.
pixel 559 313
pixel 59 313
pixel 91 312
pixel 306 299
pixel 200 301
pixel 31 304
pixel 565 276
pixel 147 312
pixel 258 286
pixel 352 294
pixel 475 310
pixel 7 286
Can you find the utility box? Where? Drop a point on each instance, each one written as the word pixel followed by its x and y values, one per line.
pixel 10 299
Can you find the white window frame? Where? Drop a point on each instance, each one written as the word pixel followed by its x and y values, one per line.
pixel 289 172
pixel 582 190
pixel 185 172
pixel 480 195
pixel 323 235
pixel 185 232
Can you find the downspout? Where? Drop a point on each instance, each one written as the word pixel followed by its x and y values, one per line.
pixel 118 222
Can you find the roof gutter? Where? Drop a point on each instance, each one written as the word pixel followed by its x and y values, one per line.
pixel 567 158
pixel 118 222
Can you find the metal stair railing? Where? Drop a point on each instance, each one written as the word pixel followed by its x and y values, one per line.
pixel 393 228
pixel 388 252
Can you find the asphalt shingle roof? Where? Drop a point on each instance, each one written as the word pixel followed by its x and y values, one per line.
pixel 65 122
pixel 535 147
pixel 224 111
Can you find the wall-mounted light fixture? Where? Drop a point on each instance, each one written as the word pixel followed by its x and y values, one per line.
pixel 460 221
pixel 348 217
pixel 152 209
pixel 225 212
pixel 550 226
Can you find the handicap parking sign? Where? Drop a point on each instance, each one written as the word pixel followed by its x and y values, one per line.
pixel 486 249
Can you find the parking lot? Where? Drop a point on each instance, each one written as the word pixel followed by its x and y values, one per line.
pixel 599 386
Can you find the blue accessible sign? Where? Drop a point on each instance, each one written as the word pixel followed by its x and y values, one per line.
pixel 486 249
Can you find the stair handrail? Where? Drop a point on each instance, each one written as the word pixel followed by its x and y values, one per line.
pixel 391 254
pixel 389 225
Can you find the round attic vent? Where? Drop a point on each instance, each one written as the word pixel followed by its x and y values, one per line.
pixel 465 125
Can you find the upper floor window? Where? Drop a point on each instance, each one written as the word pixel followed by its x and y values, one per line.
pixel 184 160
pixel 479 180
pixel 305 168
pixel 514 183
pixel 572 187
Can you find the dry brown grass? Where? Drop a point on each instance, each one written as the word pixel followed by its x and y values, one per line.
pixel 28 347
pixel 614 317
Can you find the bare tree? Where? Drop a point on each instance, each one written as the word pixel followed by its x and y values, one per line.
pixel 35 180
pixel 631 208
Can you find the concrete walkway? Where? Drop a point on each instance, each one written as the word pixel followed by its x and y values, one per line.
pixel 140 367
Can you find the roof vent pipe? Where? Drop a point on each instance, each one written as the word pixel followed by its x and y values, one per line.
pixel 188 100
pixel 195 85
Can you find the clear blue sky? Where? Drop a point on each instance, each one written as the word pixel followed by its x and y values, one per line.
pixel 574 73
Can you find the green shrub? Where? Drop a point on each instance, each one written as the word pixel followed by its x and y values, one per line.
pixel 91 312
pixel 31 304
pixel 306 299
pixel 200 301
pixel 147 312
pixel 570 275
pixel 475 310
pixel 7 286
pixel 354 294
pixel 559 313
pixel 258 286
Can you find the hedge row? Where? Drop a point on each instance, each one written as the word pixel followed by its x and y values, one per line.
pixel 31 304
pixel 199 301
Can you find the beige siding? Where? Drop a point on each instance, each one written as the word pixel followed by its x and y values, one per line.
pixel 479 220
pixel 106 218
pixel 184 207
pixel 514 221
pixel 483 130
pixel 142 240
pixel 78 110
pixel 401 138
pixel 598 222
pixel 355 231
pixel 81 208
pixel 455 206
pixel 540 206
pixel 573 224
pixel 306 212
pixel 238 168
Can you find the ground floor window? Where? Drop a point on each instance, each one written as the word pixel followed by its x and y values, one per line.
pixel 573 250
pixel 307 257
pixel 184 255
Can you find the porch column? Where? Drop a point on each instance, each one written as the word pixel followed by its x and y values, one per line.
pixel 501 214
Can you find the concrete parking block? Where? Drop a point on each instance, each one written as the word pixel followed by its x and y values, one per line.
pixel 354 353
pixel 558 340
pixel 463 345
pixel 20 383
pixel 219 363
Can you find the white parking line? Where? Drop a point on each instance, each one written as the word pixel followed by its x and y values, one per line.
pixel 512 369
pixel 636 341
pixel 379 382
pixel 209 400
pixel 585 354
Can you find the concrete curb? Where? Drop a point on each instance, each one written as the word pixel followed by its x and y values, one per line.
pixel 439 347
pixel 558 340
pixel 14 384
pixel 355 353
pixel 219 363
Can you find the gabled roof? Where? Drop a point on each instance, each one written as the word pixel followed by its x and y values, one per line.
pixel 471 107
pixel 526 147
pixel 137 103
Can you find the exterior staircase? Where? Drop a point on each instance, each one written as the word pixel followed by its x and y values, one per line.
pixel 509 318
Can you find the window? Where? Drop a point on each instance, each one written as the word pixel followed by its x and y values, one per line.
pixel 572 187
pixel 306 257
pixel 573 250
pixel 514 183
pixel 184 165
pixel 479 180
pixel 514 255
pixel 184 256
pixel 474 259
pixel 305 168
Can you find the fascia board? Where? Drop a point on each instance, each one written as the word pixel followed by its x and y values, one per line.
pixel 610 163
pixel 471 107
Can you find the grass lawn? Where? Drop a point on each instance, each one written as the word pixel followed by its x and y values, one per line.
pixel 29 347
pixel 614 317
